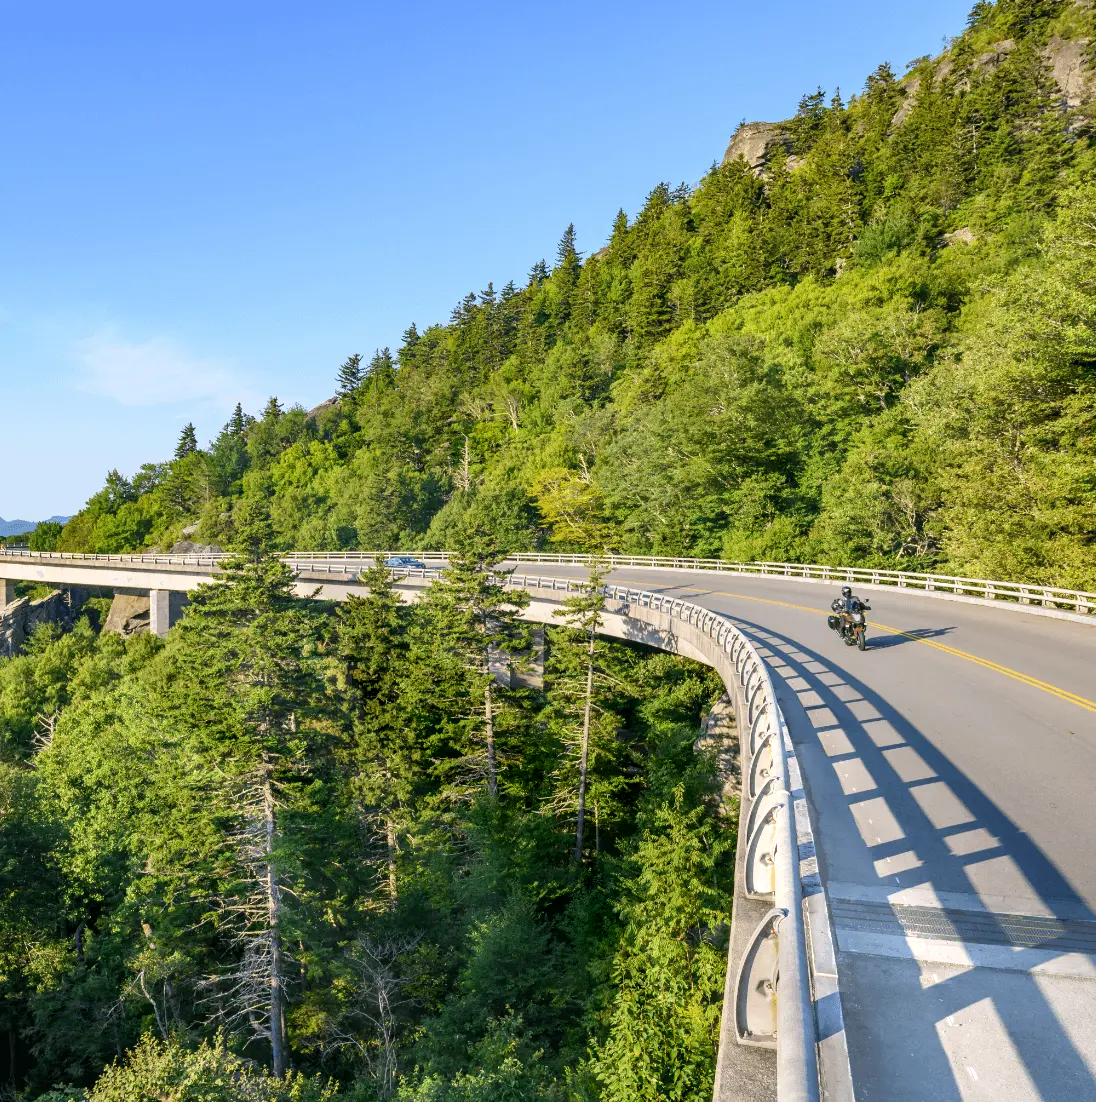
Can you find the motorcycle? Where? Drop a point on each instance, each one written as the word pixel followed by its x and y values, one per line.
pixel 851 626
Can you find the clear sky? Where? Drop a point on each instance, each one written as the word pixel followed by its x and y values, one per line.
pixel 209 202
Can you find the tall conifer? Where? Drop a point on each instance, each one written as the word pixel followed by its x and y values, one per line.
pixel 350 376
pixel 188 442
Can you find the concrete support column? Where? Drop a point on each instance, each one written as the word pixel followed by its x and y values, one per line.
pixel 159 611
pixel 7 592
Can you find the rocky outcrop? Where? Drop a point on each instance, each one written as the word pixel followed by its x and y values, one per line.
pixel 314 413
pixel 755 143
pixel 1067 62
pixel 186 547
pixel 1066 58
pixel 20 618
pixel 720 738
pixel 129 615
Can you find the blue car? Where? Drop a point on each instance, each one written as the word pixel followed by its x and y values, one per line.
pixel 404 562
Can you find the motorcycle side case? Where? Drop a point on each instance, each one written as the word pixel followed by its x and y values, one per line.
pixel 833 621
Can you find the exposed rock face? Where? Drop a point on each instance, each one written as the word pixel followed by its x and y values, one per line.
pixel 720 737
pixel 186 547
pixel 314 413
pixel 1067 62
pixel 1066 58
pixel 21 617
pixel 756 142
pixel 129 615
pixel 962 236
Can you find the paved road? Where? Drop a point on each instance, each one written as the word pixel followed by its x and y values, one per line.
pixel 953 808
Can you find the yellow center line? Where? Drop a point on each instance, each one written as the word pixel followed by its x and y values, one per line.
pixel 1016 675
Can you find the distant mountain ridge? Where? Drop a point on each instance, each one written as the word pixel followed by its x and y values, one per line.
pixel 23 527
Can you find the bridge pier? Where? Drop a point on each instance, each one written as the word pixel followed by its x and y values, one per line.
pixel 7 592
pixel 159 611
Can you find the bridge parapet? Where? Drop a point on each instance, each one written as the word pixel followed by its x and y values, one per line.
pixel 1042 600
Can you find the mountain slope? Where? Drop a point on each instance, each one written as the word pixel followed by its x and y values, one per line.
pixel 22 527
pixel 865 337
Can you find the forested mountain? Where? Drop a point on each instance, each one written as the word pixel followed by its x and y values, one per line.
pixel 297 851
pixel 874 348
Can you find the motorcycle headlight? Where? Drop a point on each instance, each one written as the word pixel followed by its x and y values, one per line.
pixel 858 617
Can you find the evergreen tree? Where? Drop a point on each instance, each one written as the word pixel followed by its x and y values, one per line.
pixel 381 372
pixel 242 685
pixel 578 699
pixel 188 442
pixel 469 634
pixel 980 12
pixel 350 377
pixel 238 423
pixel 669 970
pixel 383 755
pixel 809 118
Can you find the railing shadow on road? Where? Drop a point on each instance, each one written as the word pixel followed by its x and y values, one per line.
pixel 912 635
pixel 845 733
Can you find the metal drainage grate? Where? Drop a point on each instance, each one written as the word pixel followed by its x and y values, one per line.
pixel 987 928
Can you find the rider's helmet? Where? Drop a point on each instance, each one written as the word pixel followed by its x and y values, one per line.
pixel 846 591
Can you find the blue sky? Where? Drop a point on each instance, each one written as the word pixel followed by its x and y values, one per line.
pixel 205 203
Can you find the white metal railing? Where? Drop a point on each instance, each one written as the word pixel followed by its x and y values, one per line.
pixel 208 560
pixel 1019 592
pixel 321 562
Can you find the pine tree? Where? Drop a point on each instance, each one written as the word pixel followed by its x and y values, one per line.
pixel 980 12
pixel 237 424
pixel 381 372
pixel 470 624
pixel 350 376
pixel 565 276
pixel 188 442
pixel 242 685
pixel 669 972
pixel 567 256
pixel 807 124
pixel 383 755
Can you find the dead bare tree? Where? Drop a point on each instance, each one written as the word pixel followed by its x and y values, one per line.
pixel 582 613
pixel 386 972
pixel 45 727
pixel 250 996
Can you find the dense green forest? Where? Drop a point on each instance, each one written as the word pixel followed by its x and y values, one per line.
pixel 299 851
pixel 877 351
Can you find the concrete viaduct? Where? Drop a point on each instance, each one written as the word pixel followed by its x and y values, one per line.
pixel 915 912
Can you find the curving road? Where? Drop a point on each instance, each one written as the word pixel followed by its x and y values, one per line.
pixel 951 775
pixel 951 772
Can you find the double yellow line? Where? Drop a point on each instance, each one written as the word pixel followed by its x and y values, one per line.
pixel 1016 675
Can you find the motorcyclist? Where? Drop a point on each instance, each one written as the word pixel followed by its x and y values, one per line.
pixel 847 604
